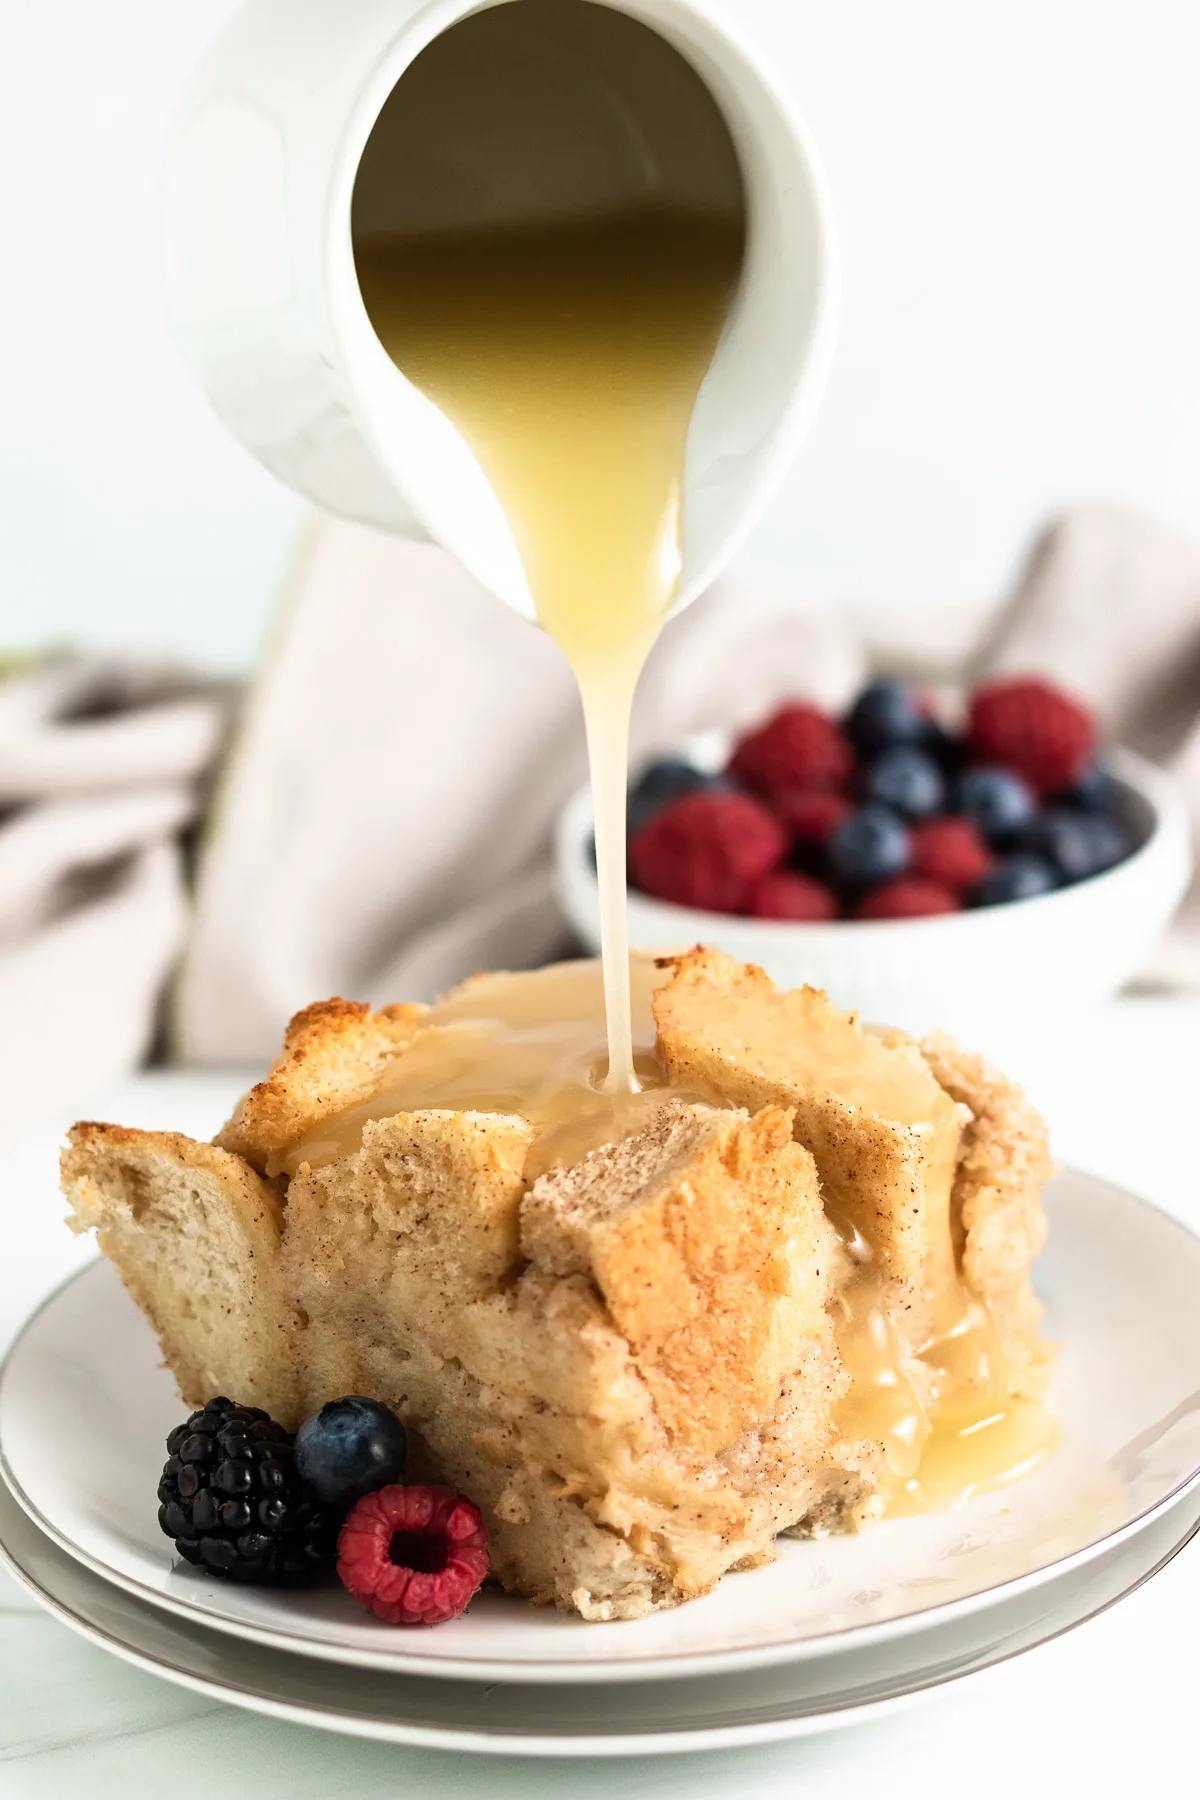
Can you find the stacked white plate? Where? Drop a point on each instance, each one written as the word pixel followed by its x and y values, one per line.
pixel 835 1631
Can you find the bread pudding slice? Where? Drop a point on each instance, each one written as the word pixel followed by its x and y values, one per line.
pixel 643 1363
pixel 588 1358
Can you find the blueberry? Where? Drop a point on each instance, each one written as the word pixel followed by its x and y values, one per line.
pixel 1113 842
pixel 670 778
pixel 1017 877
pixel 884 715
pixel 1075 844
pixel 1094 792
pixel 998 802
pixel 350 1448
pixel 871 846
pixel 908 780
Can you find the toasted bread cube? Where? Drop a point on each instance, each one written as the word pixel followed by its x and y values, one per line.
pixel 194 1234
pixel 996 1205
pixel 707 1239
pixel 424 1218
pixel 883 1133
pixel 333 1056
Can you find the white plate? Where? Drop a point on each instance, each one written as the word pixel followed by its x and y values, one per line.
pixel 84 1410
pixel 709 1713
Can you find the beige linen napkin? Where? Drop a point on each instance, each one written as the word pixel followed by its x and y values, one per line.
pixel 384 825
pixel 1109 603
pixel 100 770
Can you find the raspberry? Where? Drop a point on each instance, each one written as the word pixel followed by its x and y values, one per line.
pixel 908 898
pixel 812 815
pixel 797 897
pixel 1031 726
pixel 799 746
pixel 709 850
pixel 413 1555
pixel 951 853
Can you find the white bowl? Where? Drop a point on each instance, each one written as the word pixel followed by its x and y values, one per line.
pixel 969 972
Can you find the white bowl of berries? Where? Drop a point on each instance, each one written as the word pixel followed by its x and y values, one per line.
pixel 921 870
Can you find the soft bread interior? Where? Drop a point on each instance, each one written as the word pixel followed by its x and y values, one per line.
pixel 642 1340
pixel 195 1235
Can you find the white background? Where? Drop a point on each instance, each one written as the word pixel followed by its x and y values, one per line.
pixel 1017 190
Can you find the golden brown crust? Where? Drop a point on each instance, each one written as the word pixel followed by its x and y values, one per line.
pixel 882 1131
pixel 194 1234
pixel 333 1056
pixel 717 1269
pixel 1003 1165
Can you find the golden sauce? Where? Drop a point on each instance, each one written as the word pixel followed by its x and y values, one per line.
pixel 569 360
pixel 964 1433
pixel 533 1045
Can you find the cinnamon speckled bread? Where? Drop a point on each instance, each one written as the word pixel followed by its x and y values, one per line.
pixel 996 1208
pixel 195 1234
pixel 883 1132
pixel 588 1359
pixel 333 1054
pixel 631 1364
pixel 900 1131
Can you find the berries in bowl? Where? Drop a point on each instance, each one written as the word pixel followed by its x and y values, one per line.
pixel 888 812
pixel 905 861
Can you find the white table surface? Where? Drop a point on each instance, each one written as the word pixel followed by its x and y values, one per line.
pixel 1112 1708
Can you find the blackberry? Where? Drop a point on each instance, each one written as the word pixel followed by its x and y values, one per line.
pixel 233 1503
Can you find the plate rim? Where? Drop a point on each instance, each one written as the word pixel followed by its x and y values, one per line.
pixel 677 1664
pixel 674 1741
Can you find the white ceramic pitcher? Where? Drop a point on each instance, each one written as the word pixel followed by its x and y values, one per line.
pixel 522 111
